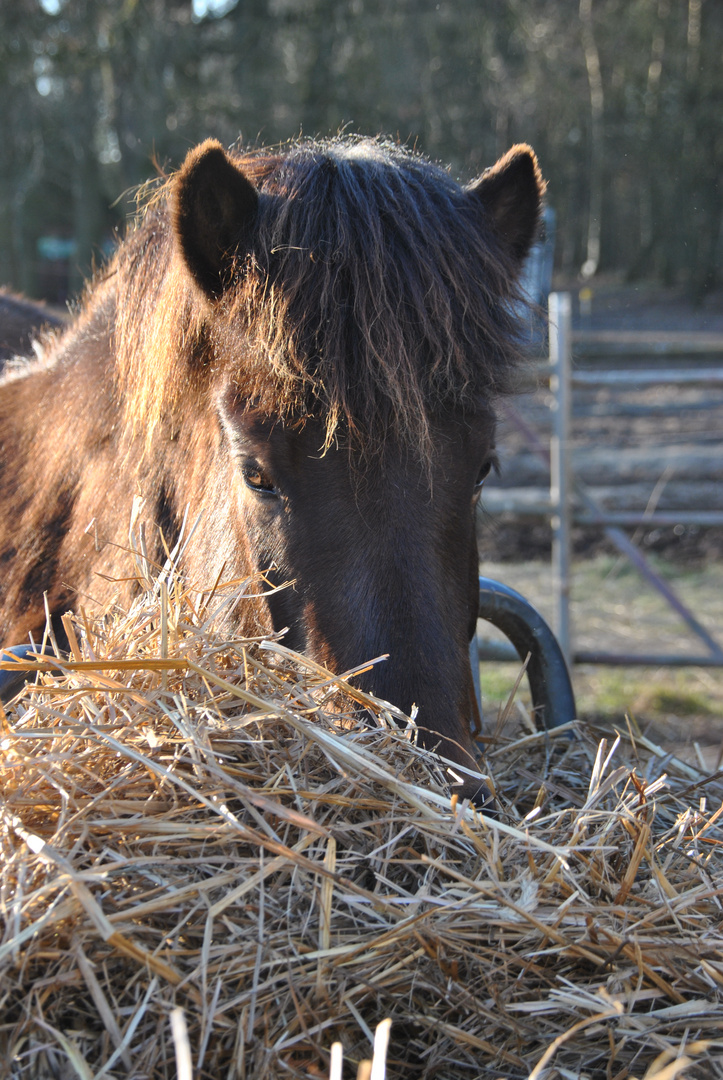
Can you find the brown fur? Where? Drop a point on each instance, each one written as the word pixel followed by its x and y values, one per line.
pixel 340 315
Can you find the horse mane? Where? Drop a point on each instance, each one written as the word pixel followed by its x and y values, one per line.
pixel 371 293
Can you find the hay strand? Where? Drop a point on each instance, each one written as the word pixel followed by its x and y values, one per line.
pixel 207 868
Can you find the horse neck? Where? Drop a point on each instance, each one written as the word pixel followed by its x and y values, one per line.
pixel 57 422
pixel 59 407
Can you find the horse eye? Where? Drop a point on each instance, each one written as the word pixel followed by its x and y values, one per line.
pixel 256 479
pixel 482 476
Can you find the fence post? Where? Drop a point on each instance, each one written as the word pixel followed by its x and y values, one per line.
pixel 561 363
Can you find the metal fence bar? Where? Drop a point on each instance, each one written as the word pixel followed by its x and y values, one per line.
pixel 503 502
pixel 660 518
pixel 631 379
pixel 560 309
pixel 607 343
pixel 596 380
pixel 503 652
pixel 636 557
pixel 590 656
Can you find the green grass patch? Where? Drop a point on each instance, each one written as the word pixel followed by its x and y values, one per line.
pixel 646 693
pixel 497 680
pixel 652 694
pixel 665 700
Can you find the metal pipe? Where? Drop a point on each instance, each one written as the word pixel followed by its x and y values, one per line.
pixel 631 379
pixel 500 501
pixel 590 656
pixel 553 699
pixel 561 358
pixel 12 681
pixel 660 518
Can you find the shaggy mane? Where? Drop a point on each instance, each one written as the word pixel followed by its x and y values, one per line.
pixel 371 294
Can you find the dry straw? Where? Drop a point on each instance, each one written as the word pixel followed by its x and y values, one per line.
pixel 210 872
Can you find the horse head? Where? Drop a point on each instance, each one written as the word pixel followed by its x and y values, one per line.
pixel 357 470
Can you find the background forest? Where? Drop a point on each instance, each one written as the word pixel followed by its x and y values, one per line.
pixel 622 99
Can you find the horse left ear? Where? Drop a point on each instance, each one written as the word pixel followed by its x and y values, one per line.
pixel 214 207
pixel 511 194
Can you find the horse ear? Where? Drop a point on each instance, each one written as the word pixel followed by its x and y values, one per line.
pixel 511 194
pixel 213 207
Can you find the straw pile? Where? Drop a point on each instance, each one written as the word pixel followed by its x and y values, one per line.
pixel 205 864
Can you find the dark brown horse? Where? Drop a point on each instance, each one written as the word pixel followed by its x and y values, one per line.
pixel 306 347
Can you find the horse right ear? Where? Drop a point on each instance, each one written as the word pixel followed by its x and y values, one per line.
pixel 214 207
pixel 511 195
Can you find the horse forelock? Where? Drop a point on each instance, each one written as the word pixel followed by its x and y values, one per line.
pixel 371 295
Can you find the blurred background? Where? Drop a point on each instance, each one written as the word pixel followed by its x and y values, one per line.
pixel 620 98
